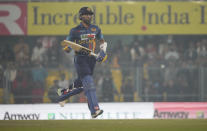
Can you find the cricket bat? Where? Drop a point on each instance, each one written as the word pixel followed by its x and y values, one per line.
pixel 77 47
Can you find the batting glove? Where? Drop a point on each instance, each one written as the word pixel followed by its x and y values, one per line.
pixel 102 56
pixel 67 49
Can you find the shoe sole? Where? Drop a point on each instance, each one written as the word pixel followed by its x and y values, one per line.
pixel 62 103
pixel 101 111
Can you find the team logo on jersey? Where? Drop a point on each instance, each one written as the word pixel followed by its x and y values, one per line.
pixel 87 36
pixel 93 29
pixel 88 9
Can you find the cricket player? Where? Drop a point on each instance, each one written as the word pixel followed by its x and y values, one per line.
pixel 86 35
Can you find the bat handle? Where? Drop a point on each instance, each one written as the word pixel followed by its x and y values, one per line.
pixel 93 54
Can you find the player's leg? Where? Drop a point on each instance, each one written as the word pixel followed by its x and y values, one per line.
pixel 62 99
pixel 84 66
pixel 73 89
pixel 90 92
pixel 76 84
pixel 70 93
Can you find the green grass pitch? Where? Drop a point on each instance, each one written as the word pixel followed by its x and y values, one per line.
pixel 106 125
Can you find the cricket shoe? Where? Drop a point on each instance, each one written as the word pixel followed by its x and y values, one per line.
pixel 97 113
pixel 62 103
pixel 62 91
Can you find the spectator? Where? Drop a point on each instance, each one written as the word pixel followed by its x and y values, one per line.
pixel 108 89
pixel 53 55
pixel 184 90
pixel 9 76
pixel 52 93
pixel 1 76
pixel 21 51
pixel 48 41
pixel 115 61
pixel 7 54
pixel 38 53
pixel 1 84
pixel 201 48
pixel 128 90
pixel 137 53
pixel 125 58
pixel 171 90
pixel 172 53
pixel 63 82
pixel 151 51
pixel 20 87
pixel 170 71
pixel 190 53
pixel 38 74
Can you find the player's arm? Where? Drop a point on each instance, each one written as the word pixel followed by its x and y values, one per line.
pixel 102 55
pixel 103 45
pixel 67 48
pixel 69 38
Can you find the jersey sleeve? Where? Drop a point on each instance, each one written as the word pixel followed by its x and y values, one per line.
pixel 70 37
pixel 99 34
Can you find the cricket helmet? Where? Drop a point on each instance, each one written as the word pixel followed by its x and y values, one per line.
pixel 85 11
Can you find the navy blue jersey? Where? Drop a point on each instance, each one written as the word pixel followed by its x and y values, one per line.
pixel 85 36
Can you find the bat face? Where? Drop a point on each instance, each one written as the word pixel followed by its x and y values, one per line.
pixel 74 46
pixel 77 47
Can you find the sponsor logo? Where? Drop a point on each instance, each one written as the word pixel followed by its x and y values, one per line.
pixel 20 116
pixel 64 116
pixel 106 115
pixel 13 18
pixel 121 18
pixel 87 36
pixel 81 115
pixel 169 114
pixel 93 29
pixel 51 116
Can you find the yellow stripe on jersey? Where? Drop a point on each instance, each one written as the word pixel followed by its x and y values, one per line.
pixel 94 45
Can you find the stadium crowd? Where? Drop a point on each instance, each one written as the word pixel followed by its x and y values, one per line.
pixel 148 68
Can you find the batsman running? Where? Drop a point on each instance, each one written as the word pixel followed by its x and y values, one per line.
pixel 85 34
